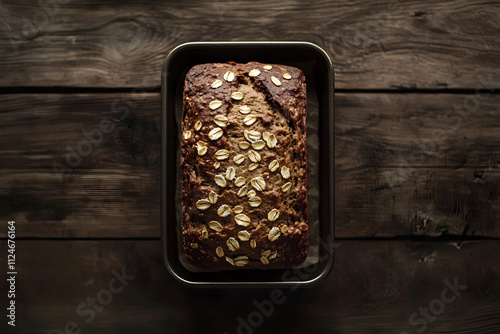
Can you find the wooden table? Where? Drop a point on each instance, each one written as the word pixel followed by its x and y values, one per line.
pixel 417 165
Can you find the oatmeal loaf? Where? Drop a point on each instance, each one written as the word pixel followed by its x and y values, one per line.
pixel 244 166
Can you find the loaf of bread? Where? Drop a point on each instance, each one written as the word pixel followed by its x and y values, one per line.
pixel 244 166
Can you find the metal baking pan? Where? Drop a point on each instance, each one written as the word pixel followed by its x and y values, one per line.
pixel 317 67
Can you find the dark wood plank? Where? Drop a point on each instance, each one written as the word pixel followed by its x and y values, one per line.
pixel 432 202
pixel 417 164
pixel 374 288
pixel 380 190
pixel 112 191
pixel 417 130
pixel 373 44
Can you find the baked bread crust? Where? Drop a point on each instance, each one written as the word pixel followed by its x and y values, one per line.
pixel 224 225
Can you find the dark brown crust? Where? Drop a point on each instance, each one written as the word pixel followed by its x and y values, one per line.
pixel 197 172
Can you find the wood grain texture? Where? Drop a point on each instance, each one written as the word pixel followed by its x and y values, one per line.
pixel 431 202
pixel 109 183
pixel 114 191
pixel 375 287
pixel 373 44
pixel 417 164
pixel 407 165
pixel 417 130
